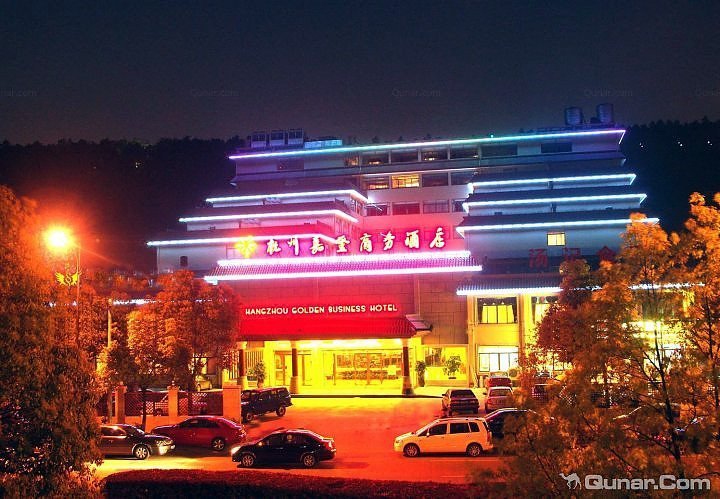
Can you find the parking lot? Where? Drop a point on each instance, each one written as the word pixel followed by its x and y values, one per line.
pixel 364 430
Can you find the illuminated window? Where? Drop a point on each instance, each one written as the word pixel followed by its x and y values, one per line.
pixel 497 310
pixel 556 239
pixel 434 179
pixel 540 306
pixel 352 161
pixel 442 206
pixel 375 159
pixel 405 208
pixel 404 181
pixel 434 155
pixel 376 183
pixel 376 210
pixel 502 359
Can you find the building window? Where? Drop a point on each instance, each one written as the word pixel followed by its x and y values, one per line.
pixel 376 210
pixel 406 208
pixel 464 153
pixel 404 156
pixel 555 147
pixel 377 183
pixel 498 151
pixel 497 310
pixel 434 179
pixel 461 178
pixel 183 261
pixel 458 205
pixel 433 155
pixel 375 159
pixel 540 306
pixel 403 181
pixel 442 206
pixel 497 359
pixel 352 161
pixel 556 239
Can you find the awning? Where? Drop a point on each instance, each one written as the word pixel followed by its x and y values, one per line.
pixel 284 328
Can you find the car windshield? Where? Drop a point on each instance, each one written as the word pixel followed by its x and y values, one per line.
pixel 462 393
pixel 500 392
pixel 135 432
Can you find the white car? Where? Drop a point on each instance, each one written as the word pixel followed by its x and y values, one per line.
pixel 468 435
pixel 498 397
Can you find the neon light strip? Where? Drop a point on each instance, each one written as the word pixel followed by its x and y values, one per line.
pixel 339 213
pixel 540 225
pixel 618 176
pixel 182 242
pixel 342 273
pixel 353 193
pixel 503 202
pixel 423 255
pixel 437 143
pixel 506 291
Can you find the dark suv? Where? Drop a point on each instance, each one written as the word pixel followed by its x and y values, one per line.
pixel 457 400
pixel 263 400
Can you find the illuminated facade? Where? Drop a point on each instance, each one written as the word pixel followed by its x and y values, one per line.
pixel 355 262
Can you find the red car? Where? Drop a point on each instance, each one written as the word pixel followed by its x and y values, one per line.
pixel 215 432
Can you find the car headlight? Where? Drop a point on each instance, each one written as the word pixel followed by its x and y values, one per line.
pixel 234 449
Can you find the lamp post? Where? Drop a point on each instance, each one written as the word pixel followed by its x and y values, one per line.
pixel 59 240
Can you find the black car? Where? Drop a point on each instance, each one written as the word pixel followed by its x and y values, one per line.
pixel 496 419
pixel 263 400
pixel 456 400
pixel 286 446
pixel 126 440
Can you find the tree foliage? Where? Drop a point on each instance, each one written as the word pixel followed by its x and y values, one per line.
pixel 47 387
pixel 640 397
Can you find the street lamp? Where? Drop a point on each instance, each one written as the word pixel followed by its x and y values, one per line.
pixel 60 240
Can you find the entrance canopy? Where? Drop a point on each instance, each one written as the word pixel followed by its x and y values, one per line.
pixel 315 328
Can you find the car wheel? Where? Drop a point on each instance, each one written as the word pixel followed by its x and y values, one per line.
pixel 308 460
pixel 249 416
pixel 141 452
pixel 217 444
pixel 247 460
pixel 474 450
pixel 281 411
pixel 411 450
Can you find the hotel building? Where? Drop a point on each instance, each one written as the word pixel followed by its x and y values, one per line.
pixel 355 262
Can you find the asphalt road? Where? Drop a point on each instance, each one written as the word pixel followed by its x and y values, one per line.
pixel 364 430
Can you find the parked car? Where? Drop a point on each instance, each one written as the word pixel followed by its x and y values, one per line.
pixel 263 400
pixel 497 380
pixel 215 432
pixel 458 434
pixel 455 400
pixel 286 446
pixel 498 397
pixel 496 419
pixel 127 440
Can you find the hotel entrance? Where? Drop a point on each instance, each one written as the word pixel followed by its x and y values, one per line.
pixel 362 367
pixel 283 368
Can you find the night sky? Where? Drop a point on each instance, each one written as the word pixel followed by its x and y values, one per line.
pixel 142 70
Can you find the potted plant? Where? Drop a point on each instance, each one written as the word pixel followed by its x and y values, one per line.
pixel 258 371
pixel 452 365
pixel 420 368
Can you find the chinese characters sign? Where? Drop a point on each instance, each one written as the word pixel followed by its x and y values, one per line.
pixel 366 243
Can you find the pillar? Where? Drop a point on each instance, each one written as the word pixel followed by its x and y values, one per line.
pixel 120 403
pixel 242 380
pixel 173 400
pixel 231 401
pixel 407 388
pixel 294 385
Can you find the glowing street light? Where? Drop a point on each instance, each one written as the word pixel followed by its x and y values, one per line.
pixel 60 240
